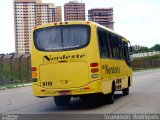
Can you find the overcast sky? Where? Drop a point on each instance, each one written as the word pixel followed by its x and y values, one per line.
pixel 137 20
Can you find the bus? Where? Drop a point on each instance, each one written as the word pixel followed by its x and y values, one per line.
pixel 79 59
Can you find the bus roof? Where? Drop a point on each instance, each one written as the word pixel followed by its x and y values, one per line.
pixel 110 30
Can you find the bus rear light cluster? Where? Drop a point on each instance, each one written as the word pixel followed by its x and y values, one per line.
pixel 34 80
pixel 34 73
pixel 84 88
pixel 94 70
pixel 34 69
pixel 95 76
pixel 94 64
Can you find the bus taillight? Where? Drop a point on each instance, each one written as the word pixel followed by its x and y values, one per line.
pixel 94 70
pixel 34 74
pixel 94 64
pixel 34 69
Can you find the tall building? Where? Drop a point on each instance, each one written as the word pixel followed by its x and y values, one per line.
pixel 103 16
pixel 58 15
pixel 30 13
pixel 74 11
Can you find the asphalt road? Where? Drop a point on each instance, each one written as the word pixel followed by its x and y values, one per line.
pixel 144 97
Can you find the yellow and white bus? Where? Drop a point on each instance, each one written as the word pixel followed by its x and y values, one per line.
pixel 79 59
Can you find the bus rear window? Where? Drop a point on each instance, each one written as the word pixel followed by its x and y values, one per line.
pixel 59 38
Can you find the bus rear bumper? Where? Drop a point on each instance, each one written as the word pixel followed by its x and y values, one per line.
pixel 91 88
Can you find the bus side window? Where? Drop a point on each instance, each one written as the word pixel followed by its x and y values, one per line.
pixel 114 45
pixel 102 38
pixel 111 45
pixel 120 47
pixel 116 42
pixel 106 43
pixel 126 52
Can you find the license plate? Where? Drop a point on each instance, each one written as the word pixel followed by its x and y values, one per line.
pixel 62 93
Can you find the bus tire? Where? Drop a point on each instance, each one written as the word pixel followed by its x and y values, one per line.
pixel 110 96
pixel 62 100
pixel 125 91
pixel 83 97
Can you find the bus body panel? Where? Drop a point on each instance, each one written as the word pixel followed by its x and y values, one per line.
pixel 95 87
pixel 64 75
pixel 114 70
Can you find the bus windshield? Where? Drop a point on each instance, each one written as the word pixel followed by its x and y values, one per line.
pixel 57 38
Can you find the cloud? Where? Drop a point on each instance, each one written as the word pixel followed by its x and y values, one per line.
pixel 139 22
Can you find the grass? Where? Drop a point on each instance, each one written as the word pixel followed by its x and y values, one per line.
pixel 154 57
pixel 14 85
pixel 144 69
pixel 146 63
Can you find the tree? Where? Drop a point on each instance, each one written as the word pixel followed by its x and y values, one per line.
pixel 144 49
pixel 156 47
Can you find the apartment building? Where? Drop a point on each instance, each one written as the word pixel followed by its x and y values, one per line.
pixel 30 13
pixel 74 11
pixel 103 16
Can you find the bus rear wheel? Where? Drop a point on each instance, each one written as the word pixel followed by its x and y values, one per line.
pixel 125 91
pixel 110 96
pixel 62 100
